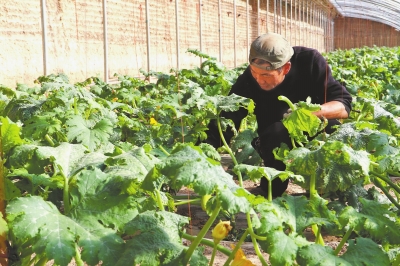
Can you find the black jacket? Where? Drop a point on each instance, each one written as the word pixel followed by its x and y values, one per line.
pixel 309 75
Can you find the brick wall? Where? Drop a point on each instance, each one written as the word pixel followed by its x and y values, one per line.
pixel 353 32
pixel 75 35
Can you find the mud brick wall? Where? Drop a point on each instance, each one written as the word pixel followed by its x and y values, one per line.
pixel 353 32
pixel 75 46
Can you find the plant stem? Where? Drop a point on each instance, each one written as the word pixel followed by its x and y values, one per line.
pixel 237 246
pixel 163 150
pixel 269 189
pixel 184 202
pixel 49 140
pixel 209 243
pixel 76 106
pixel 213 256
pixel 293 143
pixel 249 224
pixel 254 240
pixel 224 141
pixel 201 234
pixel 387 194
pixel 387 180
pixel 159 200
pixel 313 195
pixel 78 259
pixel 67 206
pixel 343 241
pixel 317 232
pixel 313 191
pixel 289 102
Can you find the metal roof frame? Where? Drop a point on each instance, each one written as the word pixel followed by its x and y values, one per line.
pixel 383 11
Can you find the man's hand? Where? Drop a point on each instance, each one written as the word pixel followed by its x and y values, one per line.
pixel 332 110
pixel 288 112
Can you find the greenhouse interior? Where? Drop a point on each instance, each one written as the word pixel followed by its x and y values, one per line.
pixel 193 132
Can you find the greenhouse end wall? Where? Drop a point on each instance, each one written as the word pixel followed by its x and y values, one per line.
pixel 67 36
pixel 354 32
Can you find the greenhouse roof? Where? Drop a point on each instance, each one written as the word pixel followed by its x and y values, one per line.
pixel 383 11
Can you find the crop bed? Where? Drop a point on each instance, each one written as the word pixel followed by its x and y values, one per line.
pixel 94 173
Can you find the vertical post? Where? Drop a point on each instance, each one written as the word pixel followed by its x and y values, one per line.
pixel 200 29
pixel 296 24
pixel 307 24
pixel 105 41
pixel 247 26
pixel 301 32
pixel 332 35
pixel 177 34
pixel 219 30
pixel 304 26
pixel 275 27
pixel 148 35
pixel 234 33
pixel 280 16
pixel 286 18
pixel 291 20
pixel 258 17
pixel 267 15
pixel 44 35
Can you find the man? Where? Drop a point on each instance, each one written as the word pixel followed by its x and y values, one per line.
pixel 276 68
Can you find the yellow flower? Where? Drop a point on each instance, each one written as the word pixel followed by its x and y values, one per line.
pixel 240 259
pixel 221 230
pixel 153 122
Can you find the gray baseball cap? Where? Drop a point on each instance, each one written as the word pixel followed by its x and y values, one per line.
pixel 271 47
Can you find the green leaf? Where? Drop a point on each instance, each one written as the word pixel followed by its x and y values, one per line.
pixel 97 197
pixel 36 222
pixel 302 120
pixel 316 255
pixel 283 248
pixel 3 225
pixel 133 164
pixel 257 172
pixel 35 158
pixel 336 165
pixel 10 135
pixel 242 149
pixel 38 126
pixel 374 219
pixel 365 252
pixel 92 134
pixel 154 239
pixel 188 165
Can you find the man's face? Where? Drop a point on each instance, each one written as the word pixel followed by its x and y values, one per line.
pixel 268 79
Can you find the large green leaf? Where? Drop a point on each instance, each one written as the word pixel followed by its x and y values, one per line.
pixel 243 150
pixel 155 239
pixel 336 165
pixel 70 157
pixel 132 164
pixel 36 222
pixel 365 252
pixel 10 135
pixel 90 133
pixel 97 197
pixel 316 255
pixel 188 165
pixel 374 219
pixel 38 126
